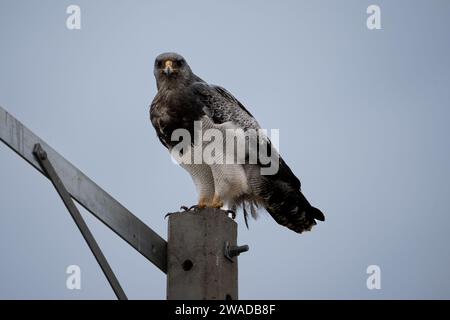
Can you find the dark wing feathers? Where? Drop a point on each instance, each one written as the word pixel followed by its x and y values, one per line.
pixel 280 192
pixel 222 107
pixel 227 95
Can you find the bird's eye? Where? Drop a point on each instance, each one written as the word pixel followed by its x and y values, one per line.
pixel 158 63
pixel 179 63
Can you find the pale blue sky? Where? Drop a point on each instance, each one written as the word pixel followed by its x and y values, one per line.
pixel 363 118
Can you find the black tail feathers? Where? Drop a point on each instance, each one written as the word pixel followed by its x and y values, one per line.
pixel 315 213
pixel 295 212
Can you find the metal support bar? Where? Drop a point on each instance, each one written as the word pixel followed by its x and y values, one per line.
pixel 86 192
pixel 41 156
pixel 197 268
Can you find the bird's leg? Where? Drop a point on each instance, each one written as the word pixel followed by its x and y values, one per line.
pixel 201 205
pixel 202 202
pixel 217 202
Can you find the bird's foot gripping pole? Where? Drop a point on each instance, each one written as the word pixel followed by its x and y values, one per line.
pixel 191 208
pixel 48 168
pixel 196 207
pixel 202 256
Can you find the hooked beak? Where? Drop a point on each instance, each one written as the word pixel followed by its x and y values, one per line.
pixel 168 68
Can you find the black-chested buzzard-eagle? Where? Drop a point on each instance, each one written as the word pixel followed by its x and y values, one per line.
pixel 184 99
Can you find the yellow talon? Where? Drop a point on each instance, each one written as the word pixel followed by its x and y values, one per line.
pixel 202 202
pixel 216 202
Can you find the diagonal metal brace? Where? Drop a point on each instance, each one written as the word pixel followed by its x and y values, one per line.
pixel 86 192
pixel 46 165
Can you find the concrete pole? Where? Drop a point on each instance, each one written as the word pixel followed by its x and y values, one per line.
pixel 197 264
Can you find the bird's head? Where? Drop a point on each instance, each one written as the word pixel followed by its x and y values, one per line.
pixel 171 69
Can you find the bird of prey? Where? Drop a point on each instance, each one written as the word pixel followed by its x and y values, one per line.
pixel 184 99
